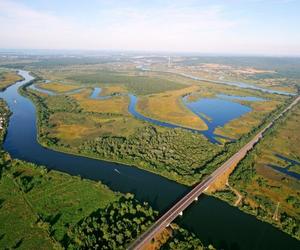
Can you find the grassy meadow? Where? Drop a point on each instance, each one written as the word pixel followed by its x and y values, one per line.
pixel 168 106
pixel 38 207
pixel 7 78
pixel 115 105
pixel 58 87
pixel 75 123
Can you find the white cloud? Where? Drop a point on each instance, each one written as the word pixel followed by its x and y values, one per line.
pixel 172 27
pixel 127 28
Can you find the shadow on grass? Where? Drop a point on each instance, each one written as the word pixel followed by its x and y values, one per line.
pixel 2 236
pixel 18 244
pixel 1 202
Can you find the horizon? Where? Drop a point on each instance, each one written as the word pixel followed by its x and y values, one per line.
pixel 230 28
pixel 91 52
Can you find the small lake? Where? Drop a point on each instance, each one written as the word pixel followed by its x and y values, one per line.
pixel 212 220
pixel 217 111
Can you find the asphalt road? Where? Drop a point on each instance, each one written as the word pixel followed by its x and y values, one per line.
pixel 165 220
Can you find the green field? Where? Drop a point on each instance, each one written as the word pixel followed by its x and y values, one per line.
pixel 38 207
pixel 266 193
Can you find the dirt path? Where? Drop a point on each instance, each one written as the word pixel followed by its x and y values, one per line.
pixel 237 193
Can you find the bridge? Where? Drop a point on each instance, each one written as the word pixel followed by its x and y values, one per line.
pixel 166 219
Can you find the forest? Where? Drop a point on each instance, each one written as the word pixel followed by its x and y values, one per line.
pixel 113 227
pixel 174 153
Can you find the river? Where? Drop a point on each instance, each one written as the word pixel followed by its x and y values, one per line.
pixel 212 220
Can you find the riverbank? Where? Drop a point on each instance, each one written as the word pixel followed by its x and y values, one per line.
pixel 113 148
pixel 8 78
pixel 52 206
pixel 217 216
pixel 232 148
pixel 185 142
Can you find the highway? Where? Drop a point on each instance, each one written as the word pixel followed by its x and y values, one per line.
pixel 177 209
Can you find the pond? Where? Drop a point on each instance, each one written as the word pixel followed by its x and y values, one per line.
pixel 216 111
pixel 286 170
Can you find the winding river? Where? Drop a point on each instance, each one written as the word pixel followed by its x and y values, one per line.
pixel 208 109
pixel 212 220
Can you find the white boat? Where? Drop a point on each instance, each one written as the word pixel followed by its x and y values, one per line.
pixel 117 171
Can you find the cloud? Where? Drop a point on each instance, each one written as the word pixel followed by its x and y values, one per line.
pixel 114 28
pixel 24 27
pixel 171 26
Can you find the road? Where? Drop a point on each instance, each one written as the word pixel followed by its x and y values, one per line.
pixel 166 219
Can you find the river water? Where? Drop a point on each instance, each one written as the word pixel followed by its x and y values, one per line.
pixel 242 85
pixel 212 220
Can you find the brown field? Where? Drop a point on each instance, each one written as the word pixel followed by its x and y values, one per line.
pixel 58 87
pixel 167 106
pixel 115 105
pixel 108 90
pixel 75 128
pixel 8 78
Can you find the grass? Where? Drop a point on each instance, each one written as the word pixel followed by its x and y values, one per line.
pixel 38 212
pixel 136 84
pixel 115 105
pixel 7 78
pixel 58 87
pixel 74 128
pixel 262 186
pixel 75 123
pixel 18 222
pixel 72 123
pixel 168 106
pixel 75 118
pixel 109 90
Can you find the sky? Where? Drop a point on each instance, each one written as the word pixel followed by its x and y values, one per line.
pixel 252 27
